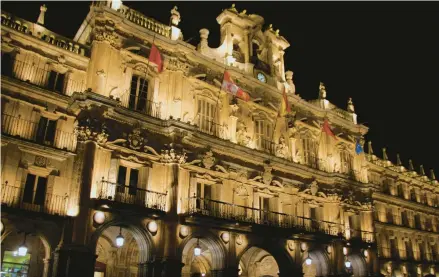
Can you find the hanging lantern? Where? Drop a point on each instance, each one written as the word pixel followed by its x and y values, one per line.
pixel 308 260
pixel 348 264
pixel 197 249
pixel 120 239
pixel 22 250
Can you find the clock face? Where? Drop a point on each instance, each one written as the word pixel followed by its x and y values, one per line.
pixel 261 77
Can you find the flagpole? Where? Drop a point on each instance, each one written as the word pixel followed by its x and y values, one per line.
pixel 216 105
pixel 147 66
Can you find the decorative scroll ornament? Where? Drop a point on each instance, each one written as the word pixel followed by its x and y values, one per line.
pixel 208 159
pixel 40 161
pixel 170 156
pixel 107 33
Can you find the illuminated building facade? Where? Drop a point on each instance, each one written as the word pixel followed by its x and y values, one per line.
pixel 114 167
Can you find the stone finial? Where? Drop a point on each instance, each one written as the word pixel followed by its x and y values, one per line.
pixel 411 167
pixel 204 35
pixel 243 12
pixel 369 148
pixel 232 8
pixel 421 170
pixel 398 160
pixel 270 27
pixel 175 16
pixel 351 107
pixel 43 10
pixel 322 91
pixel 432 176
pixel 385 154
pixel 277 32
pixel 289 78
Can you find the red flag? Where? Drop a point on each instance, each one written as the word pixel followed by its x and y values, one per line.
pixel 229 86
pixel 327 129
pixel 156 57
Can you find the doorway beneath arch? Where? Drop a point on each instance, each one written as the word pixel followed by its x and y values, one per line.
pixel 113 259
pixel 256 262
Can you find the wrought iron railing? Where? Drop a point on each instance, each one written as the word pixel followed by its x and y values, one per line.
pixel 15 126
pixel 228 211
pixel 265 145
pixel 53 204
pixel 40 75
pixel 140 104
pixel 131 195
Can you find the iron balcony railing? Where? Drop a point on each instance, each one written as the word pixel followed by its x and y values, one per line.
pixel 41 76
pixel 228 211
pixel 131 195
pixel 140 104
pixel 53 204
pixel 15 126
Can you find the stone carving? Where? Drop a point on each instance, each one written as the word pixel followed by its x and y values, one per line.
pixel 40 161
pixel 176 64
pixel 170 156
pixel 136 140
pixel 351 107
pixel 91 125
pixel 234 109
pixel 313 187
pixel 208 159
pixel 267 176
pixel 242 136
pixel 106 33
pixel 241 191
pixel 281 148
pixel 84 133
pixel 175 16
pixel 322 91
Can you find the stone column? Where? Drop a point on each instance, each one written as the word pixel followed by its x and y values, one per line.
pixel 47 267
pixel 73 257
pixel 171 264
pixel 282 65
pixel 232 125
pixel 292 147
pixel 232 263
pixel 337 264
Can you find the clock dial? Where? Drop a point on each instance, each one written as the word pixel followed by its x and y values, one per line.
pixel 261 77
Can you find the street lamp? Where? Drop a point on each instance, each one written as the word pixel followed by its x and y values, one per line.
pixel 308 260
pixel 120 239
pixel 348 263
pixel 197 249
pixel 22 249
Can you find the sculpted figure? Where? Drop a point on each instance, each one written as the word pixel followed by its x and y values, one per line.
pixel 281 148
pixel 175 16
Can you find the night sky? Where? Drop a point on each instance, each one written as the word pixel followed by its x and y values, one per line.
pixel 385 55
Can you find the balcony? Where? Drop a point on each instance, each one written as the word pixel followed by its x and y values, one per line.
pixel 15 126
pixel 40 76
pixel 237 213
pixel 211 128
pixel 131 195
pixel 140 104
pixel 14 197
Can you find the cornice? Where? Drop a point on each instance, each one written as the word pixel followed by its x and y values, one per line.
pixel 387 227
pixel 386 198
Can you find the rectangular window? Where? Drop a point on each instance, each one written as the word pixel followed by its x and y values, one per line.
pixel 309 152
pixel 14 265
pixel 46 130
pixel 35 189
pixel 345 162
pixel 263 134
pixel 409 250
pixel 138 94
pixel 134 178
pixel 204 197
pixel 394 248
pixel 264 204
pixel 206 111
pixel 56 81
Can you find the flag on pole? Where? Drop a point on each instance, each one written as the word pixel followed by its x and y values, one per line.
pixel 327 129
pixel 358 148
pixel 229 86
pixel 156 57
pixel 285 107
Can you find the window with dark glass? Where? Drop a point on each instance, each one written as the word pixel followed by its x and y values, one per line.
pixel 409 250
pixel 56 81
pixel 7 64
pixel 127 178
pixel 46 131
pixel 138 94
pixel 35 189
pixel 394 248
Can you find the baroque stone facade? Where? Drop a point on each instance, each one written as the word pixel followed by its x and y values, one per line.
pixel 98 146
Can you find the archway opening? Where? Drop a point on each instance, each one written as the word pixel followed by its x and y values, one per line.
pixel 257 262
pixel 315 263
pixel 117 259
pixel 23 254
pixel 197 263
pixel 358 265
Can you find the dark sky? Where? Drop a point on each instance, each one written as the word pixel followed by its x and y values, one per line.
pixel 385 55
